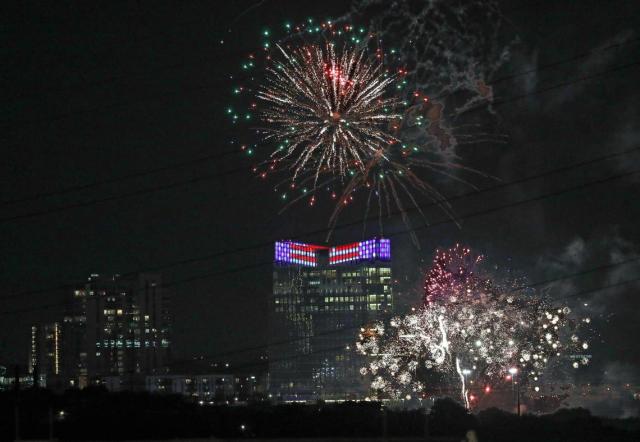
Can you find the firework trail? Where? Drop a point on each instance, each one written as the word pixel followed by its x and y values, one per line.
pixel 474 328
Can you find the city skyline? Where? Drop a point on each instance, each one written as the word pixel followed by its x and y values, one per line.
pixel 112 326
pixel 121 157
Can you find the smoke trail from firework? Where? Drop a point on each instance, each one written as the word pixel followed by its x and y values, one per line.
pixel 449 49
pixel 463 385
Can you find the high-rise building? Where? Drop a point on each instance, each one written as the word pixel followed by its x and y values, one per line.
pixel 114 326
pixel 321 297
pixel 45 352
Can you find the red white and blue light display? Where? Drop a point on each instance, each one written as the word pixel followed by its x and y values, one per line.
pixel 288 252
pixel 372 249
pixel 297 253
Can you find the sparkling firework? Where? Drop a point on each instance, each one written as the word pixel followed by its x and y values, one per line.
pixel 452 275
pixel 480 332
pixel 326 109
pixel 338 119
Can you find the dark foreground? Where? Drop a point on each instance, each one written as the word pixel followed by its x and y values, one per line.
pixel 98 415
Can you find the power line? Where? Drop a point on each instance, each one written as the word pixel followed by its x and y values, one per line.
pixel 151 190
pixel 538 198
pixel 330 332
pixel 494 82
pixel 268 263
pixel 410 230
pixel 326 230
pixel 230 152
pixel 371 218
pixel 590 77
pixel 557 63
pixel 522 287
pixel 359 326
pixel 139 192
pixel 85 186
pixel 110 107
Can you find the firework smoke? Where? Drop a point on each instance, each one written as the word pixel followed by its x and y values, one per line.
pixel 451 51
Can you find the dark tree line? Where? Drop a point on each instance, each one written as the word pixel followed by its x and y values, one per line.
pixel 96 414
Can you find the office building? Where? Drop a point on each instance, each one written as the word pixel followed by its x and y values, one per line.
pixel 321 297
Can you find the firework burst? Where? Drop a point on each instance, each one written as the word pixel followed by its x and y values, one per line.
pixel 453 275
pixel 478 333
pixel 327 110
pixel 337 119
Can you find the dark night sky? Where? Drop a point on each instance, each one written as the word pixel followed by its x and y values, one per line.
pixel 95 91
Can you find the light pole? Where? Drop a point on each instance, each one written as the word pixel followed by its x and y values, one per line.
pixel 514 372
pixel 385 424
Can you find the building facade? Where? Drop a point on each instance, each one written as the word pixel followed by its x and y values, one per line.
pixel 321 297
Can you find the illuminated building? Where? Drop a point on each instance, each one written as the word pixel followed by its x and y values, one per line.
pixel 113 326
pixel 321 296
pixel 45 352
pixel 125 324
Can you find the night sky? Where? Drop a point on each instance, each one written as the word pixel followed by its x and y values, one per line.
pixel 95 92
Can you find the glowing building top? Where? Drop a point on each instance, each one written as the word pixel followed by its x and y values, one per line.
pixel 289 252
